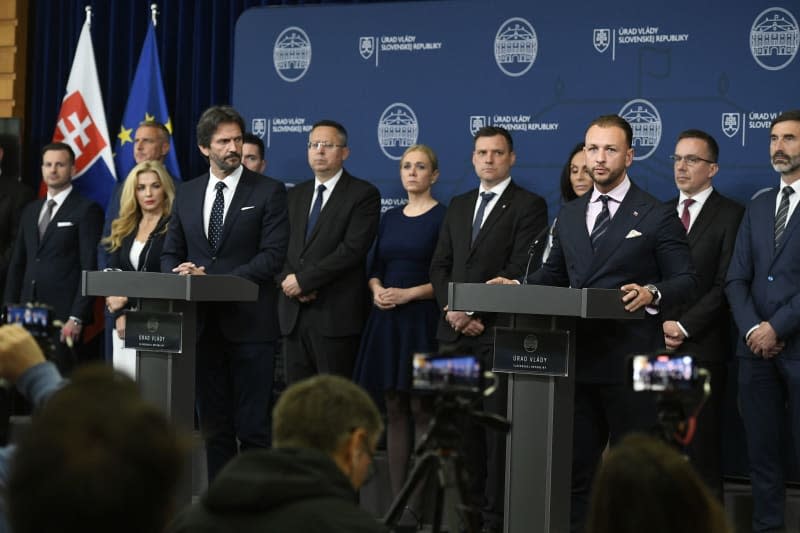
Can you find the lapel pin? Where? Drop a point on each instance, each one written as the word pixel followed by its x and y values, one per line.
pixel 636 213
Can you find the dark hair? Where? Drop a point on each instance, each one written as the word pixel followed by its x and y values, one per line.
pixel 567 192
pixel 335 125
pixel 249 138
pixel 645 485
pixel 64 147
pixel 711 142
pixel 212 118
pixel 609 121
pixel 793 115
pixel 97 458
pixel 165 134
pixel 321 412
pixel 491 131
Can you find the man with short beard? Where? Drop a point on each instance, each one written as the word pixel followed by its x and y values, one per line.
pixel 231 221
pixel 615 237
pixel 763 288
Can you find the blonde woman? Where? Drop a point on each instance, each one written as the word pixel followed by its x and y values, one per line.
pixel 137 236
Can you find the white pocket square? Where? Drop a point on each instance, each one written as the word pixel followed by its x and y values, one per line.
pixel 632 234
pixel 248 207
pixel 64 224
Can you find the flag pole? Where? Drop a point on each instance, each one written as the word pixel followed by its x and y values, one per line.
pixel 154 13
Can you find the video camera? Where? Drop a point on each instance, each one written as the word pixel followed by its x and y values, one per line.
pixel 681 388
pixel 37 319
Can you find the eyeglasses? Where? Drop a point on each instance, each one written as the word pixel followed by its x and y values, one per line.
pixel 319 145
pixel 691 160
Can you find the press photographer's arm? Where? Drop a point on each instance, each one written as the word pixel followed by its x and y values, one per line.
pixel 22 362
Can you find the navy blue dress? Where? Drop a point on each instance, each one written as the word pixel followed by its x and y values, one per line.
pixel 403 254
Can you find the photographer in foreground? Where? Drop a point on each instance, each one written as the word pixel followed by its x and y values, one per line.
pixel 324 432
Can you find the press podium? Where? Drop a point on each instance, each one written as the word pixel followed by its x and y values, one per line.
pixel 540 407
pixel 167 379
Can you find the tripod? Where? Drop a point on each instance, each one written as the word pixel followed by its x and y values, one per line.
pixel 438 456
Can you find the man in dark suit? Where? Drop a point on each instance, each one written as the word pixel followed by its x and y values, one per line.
pixel 763 288
pixel 616 237
pixel 703 327
pixel 253 153
pixel 231 221
pixel 334 219
pixel 486 233
pixel 13 197
pixel 57 240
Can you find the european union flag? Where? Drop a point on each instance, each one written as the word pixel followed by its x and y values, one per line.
pixel 146 102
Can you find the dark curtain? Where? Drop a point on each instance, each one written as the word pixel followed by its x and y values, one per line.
pixel 195 41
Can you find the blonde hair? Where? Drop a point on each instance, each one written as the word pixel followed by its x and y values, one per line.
pixel 427 150
pixel 130 213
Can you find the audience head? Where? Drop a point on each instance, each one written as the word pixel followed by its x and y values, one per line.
pixel 148 189
pixel 327 148
pixel 58 166
pixel 645 485
pixel 253 153
pixel 151 142
pixel 493 156
pixel 575 179
pixel 784 145
pixel 219 136
pixel 608 151
pixel 332 415
pixel 97 458
pixel 419 169
pixel 695 161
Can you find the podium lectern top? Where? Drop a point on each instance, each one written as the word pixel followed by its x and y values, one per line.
pixel 539 300
pixel 163 286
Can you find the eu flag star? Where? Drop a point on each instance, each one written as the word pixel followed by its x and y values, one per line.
pixel 124 135
pixel 148 117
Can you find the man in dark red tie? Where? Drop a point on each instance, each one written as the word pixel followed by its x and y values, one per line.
pixel 702 327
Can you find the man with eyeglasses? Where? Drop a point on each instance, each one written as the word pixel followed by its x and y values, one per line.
pixel 324 302
pixel 702 327
pixel 763 287
pixel 325 429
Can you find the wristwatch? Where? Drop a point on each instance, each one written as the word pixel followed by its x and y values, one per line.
pixel 655 292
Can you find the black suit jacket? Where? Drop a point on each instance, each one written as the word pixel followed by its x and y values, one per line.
pixel 645 243
pixel 500 249
pixel 332 262
pixel 50 271
pixel 13 197
pixel 149 257
pixel 253 246
pixel 711 241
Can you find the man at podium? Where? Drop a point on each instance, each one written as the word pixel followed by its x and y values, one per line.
pixel 615 237
pixel 231 221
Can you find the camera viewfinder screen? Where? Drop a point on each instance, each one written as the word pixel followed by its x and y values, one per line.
pixel 661 372
pixel 434 372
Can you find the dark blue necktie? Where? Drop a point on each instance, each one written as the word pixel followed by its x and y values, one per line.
pixel 215 221
pixel 601 223
pixel 780 216
pixel 314 215
pixel 486 197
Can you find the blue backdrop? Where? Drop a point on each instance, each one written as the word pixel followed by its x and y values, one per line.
pixel 432 72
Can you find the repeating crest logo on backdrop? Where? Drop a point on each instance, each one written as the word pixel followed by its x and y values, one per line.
pixel 645 121
pixel 398 129
pixel 730 124
pixel 774 38
pixel 259 127
pixel 601 37
pixel 291 54
pixel 515 46
pixel 366 46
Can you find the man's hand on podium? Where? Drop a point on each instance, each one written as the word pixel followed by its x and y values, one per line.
pixel 189 269
pixel 500 280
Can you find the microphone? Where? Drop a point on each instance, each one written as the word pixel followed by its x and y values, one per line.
pixel 532 251
pixel 149 244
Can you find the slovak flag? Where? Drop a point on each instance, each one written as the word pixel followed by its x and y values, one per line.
pixel 82 125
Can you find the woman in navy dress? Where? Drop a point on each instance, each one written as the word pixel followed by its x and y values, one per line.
pixel 137 236
pixel 404 317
